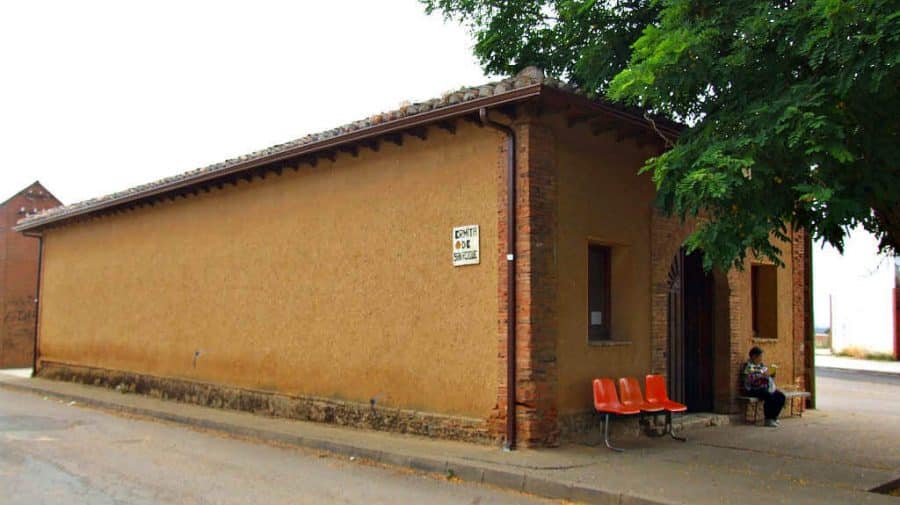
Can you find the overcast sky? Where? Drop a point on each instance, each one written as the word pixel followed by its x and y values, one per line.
pixel 99 96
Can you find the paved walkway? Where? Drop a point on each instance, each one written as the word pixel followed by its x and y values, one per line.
pixel 820 458
pixel 860 365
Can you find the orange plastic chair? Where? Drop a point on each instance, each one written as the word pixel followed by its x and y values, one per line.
pixel 630 394
pixel 656 395
pixel 606 401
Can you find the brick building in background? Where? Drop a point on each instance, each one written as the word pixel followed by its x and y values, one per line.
pixel 18 276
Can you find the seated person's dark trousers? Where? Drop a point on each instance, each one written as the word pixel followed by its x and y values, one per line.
pixel 772 402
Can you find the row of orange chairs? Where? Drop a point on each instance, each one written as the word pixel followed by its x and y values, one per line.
pixel 607 401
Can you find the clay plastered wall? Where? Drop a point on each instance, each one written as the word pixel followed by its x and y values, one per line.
pixel 778 350
pixel 335 281
pixel 601 200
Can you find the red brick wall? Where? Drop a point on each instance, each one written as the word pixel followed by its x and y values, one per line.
pixel 801 306
pixel 666 237
pixel 537 228
pixel 730 307
pixel 18 277
pixel 897 323
pixel 536 284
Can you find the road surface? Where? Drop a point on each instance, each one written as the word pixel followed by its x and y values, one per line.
pixel 865 393
pixel 55 453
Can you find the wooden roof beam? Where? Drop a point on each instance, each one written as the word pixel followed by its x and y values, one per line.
pixel 371 144
pixel 448 126
pixel 603 126
pixel 508 110
pixel 352 150
pixel 628 133
pixel 420 133
pixel 584 117
pixel 472 118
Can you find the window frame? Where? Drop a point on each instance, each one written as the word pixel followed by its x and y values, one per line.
pixel 604 292
pixel 755 269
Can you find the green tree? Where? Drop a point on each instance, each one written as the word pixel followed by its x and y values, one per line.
pixel 791 106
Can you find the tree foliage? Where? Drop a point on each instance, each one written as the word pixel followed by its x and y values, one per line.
pixel 792 106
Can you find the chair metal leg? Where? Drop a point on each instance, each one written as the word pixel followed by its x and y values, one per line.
pixel 670 429
pixel 606 434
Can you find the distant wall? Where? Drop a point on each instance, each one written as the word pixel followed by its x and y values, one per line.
pixel 18 277
pixel 334 281
pixel 854 294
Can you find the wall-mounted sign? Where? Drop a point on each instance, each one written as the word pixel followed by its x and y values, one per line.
pixel 465 245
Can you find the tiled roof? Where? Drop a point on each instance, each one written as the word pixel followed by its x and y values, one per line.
pixel 527 77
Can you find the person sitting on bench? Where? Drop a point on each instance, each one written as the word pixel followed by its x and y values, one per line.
pixel 758 383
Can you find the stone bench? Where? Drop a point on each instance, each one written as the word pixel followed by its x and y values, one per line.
pixel 752 405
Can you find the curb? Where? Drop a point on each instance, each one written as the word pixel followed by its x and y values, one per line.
pixel 512 480
pixel 878 373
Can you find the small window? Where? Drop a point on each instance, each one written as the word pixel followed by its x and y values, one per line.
pixel 599 302
pixel 764 293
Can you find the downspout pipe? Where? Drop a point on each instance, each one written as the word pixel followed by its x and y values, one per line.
pixel 510 274
pixel 37 298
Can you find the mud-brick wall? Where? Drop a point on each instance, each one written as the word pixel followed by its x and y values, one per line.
pixel 780 349
pixel 334 281
pixel 18 277
pixel 601 200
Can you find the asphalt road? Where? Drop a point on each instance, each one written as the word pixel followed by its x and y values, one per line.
pixel 55 453
pixel 858 392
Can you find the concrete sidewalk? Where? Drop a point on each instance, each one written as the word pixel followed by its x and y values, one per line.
pixel 816 459
pixel 858 365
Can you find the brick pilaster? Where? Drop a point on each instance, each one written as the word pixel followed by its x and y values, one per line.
pixel 536 284
pixel 739 336
pixel 667 236
pixel 800 305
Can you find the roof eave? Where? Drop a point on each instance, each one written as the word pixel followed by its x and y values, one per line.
pixel 395 126
pixel 433 116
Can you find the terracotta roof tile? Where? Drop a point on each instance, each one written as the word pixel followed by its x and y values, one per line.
pixel 527 77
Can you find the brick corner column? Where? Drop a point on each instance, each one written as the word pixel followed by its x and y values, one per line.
pixel 536 286
pixel 801 308
pixel 739 335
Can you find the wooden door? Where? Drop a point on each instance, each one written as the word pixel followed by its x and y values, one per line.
pixel 691 333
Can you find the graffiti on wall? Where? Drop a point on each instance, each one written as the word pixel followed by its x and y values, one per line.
pixel 17 332
pixel 19 310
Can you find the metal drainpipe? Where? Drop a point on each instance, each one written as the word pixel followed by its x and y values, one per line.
pixel 510 275
pixel 37 298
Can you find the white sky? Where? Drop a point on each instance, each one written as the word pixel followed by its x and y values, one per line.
pixel 861 279
pixel 99 96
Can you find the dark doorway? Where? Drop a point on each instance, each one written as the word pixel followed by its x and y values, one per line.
pixel 691 327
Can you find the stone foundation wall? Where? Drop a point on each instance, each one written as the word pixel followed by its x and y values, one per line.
pixel 302 408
